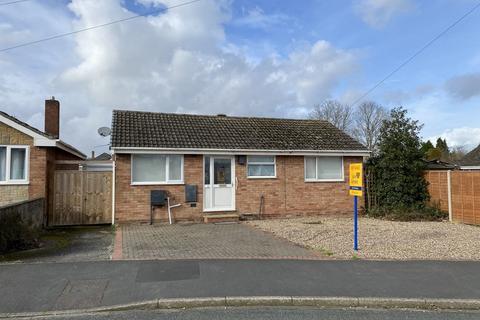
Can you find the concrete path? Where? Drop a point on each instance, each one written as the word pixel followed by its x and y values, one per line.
pixel 61 286
pixel 92 243
pixel 203 241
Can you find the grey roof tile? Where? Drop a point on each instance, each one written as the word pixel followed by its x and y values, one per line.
pixel 170 130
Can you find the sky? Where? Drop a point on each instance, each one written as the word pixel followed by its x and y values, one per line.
pixel 240 57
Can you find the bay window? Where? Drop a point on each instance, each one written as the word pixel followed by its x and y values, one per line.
pixel 13 164
pixel 261 167
pixel 157 169
pixel 324 168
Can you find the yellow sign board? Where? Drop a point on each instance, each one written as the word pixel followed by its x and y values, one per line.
pixel 356 179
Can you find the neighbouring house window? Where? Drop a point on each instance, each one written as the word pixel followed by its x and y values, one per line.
pixel 324 168
pixel 261 166
pixel 157 168
pixel 13 164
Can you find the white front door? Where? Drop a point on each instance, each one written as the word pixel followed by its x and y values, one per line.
pixel 219 183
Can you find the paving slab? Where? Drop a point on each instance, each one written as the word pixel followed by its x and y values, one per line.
pixel 205 241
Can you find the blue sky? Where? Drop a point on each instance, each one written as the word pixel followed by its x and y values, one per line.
pixel 244 57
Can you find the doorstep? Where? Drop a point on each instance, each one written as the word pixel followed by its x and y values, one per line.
pixel 221 217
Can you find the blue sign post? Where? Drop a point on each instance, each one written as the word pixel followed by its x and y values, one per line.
pixel 355 223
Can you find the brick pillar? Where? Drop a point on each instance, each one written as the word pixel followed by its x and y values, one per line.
pixel 52 117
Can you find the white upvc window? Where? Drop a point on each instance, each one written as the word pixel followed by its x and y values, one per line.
pixel 150 169
pixel 14 164
pixel 324 168
pixel 261 167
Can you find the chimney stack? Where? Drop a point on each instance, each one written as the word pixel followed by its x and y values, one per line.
pixel 52 117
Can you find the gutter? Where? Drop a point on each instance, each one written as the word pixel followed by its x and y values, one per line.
pixel 129 150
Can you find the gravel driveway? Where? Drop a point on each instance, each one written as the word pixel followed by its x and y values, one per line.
pixel 379 239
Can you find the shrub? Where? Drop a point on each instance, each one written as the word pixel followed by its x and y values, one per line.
pixel 426 213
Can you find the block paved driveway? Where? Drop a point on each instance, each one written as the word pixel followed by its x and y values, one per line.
pixel 203 241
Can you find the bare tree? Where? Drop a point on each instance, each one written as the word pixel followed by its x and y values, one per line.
pixel 337 113
pixel 368 120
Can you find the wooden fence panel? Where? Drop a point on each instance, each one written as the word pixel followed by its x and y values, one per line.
pixel 438 188
pixel 98 197
pixel 81 198
pixel 465 196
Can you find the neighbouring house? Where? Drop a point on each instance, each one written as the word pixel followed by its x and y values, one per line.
pixel 471 161
pixel 28 155
pixel 219 166
pixel 440 165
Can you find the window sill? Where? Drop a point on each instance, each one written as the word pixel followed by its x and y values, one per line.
pixel 325 180
pixel 157 183
pixel 14 183
pixel 219 210
pixel 263 177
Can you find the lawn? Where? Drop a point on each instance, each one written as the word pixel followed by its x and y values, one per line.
pixel 379 239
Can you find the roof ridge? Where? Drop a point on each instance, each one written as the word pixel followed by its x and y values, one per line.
pixel 216 116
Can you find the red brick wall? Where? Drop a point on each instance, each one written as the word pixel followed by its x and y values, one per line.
pixel 39 166
pixel 286 195
pixel 289 194
pixel 37 169
pixel 132 203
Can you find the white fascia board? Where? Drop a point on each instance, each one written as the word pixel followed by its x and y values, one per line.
pixel 470 167
pixel 132 150
pixel 44 142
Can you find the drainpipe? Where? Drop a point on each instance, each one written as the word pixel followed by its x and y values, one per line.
pixel 113 188
pixel 449 191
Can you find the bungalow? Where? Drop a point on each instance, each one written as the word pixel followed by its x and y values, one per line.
pixel 219 166
pixel 27 155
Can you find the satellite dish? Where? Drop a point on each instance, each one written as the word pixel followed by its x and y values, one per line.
pixel 104 131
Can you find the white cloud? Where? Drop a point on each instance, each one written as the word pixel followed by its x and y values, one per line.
pixel 377 13
pixel 173 62
pixel 257 18
pixel 460 137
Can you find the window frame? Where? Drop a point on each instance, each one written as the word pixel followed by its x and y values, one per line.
pixel 8 180
pixel 263 163
pixel 167 172
pixel 316 170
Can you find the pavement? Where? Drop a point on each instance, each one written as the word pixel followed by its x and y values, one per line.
pixel 83 285
pixel 269 313
pixel 203 241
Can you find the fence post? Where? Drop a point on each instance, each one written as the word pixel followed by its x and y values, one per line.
pixel 449 190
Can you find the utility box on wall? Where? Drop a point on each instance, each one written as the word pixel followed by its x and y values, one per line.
pixel 190 193
pixel 242 160
pixel 158 197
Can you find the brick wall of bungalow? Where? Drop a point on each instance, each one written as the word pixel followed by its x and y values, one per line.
pixel 36 187
pixel 286 195
pixel 40 162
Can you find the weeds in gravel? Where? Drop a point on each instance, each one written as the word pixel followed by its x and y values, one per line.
pixel 326 252
pixel 313 222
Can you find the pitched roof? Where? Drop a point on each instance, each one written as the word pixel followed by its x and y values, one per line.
pixel 472 158
pixel 56 142
pixel 103 156
pixel 439 165
pixel 169 130
pixel 26 125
